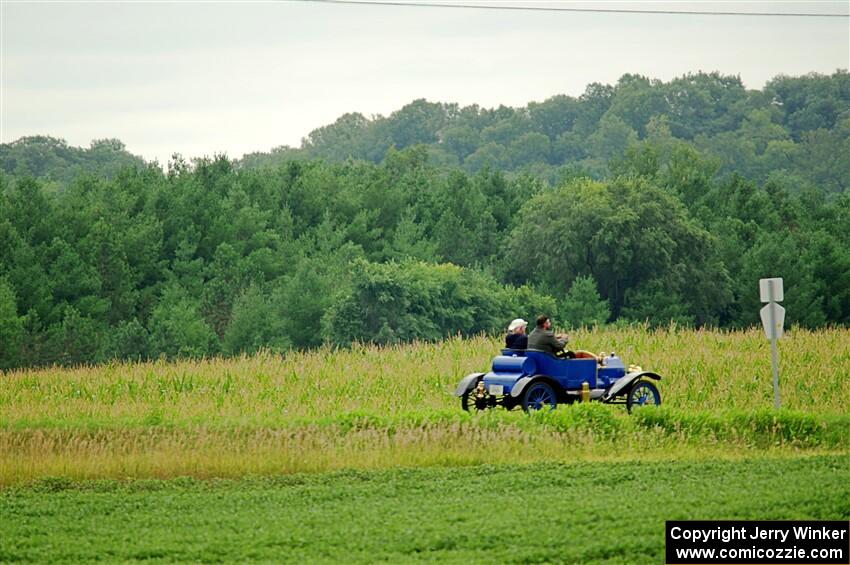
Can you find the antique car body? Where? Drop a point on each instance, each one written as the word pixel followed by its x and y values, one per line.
pixel 535 379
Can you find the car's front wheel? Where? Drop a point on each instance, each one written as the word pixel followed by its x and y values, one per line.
pixel 470 400
pixel 643 393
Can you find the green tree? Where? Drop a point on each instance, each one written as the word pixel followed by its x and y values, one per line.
pixel 341 140
pixel 460 140
pixel 611 139
pixel 27 275
pixel 104 250
pixel 54 160
pixel 74 281
pixel 256 323
pixel 554 116
pixel 321 273
pixel 637 100
pixel 582 305
pixel 593 104
pixel 177 328
pixel 780 255
pixel 825 157
pixel 224 281
pixel 569 146
pixel 624 233
pixel 76 340
pixel 810 102
pixel 526 302
pixel 513 125
pixel 11 327
pixel 465 230
pixel 410 240
pixel 531 147
pixel 417 122
pixel 758 128
pixel 29 210
pixel 394 302
pixel 704 104
pixel 490 155
pixel 657 302
pixel 128 340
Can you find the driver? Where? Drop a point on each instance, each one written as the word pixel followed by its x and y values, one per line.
pixel 542 338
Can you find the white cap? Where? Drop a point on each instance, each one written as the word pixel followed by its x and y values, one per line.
pixel 517 323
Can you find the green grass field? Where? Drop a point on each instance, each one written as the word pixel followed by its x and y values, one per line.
pixel 543 513
pixel 365 455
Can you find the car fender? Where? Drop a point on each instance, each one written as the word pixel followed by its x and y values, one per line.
pixel 626 381
pixel 467 383
pixel 520 386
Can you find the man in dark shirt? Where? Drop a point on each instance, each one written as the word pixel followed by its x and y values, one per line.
pixel 542 338
pixel 516 338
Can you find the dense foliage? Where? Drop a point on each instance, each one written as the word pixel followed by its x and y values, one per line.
pixel 644 201
pixel 796 129
pixel 53 160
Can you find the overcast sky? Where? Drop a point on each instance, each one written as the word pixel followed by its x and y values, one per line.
pixel 235 77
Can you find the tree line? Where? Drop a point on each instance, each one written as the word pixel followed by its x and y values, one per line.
pixel 295 249
pixel 794 130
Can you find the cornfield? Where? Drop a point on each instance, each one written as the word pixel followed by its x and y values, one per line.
pixel 369 407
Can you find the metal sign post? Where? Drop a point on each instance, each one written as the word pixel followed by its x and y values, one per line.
pixel 773 319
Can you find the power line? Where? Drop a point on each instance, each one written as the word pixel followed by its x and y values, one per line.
pixel 564 9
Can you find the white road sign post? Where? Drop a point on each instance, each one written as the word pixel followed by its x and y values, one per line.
pixel 773 319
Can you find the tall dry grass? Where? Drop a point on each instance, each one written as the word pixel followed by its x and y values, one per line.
pixel 158 452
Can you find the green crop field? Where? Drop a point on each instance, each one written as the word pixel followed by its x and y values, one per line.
pixel 364 454
pixel 580 512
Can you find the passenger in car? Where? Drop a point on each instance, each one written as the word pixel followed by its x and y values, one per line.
pixel 516 338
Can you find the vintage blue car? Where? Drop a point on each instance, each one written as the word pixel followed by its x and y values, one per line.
pixel 535 380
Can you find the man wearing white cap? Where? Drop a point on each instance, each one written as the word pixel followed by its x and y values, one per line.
pixel 516 338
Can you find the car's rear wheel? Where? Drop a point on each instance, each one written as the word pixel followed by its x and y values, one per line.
pixel 643 393
pixel 539 395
